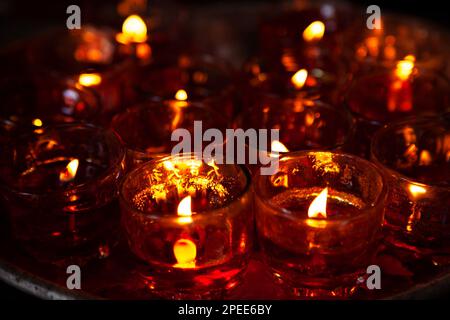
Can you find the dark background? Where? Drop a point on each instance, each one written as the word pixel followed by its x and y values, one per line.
pixel 19 19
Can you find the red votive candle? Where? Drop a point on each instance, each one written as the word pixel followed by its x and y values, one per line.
pixel 317 220
pixel 416 156
pixel 60 185
pixel 200 79
pixel 395 94
pixel 79 73
pixel 153 123
pixel 190 224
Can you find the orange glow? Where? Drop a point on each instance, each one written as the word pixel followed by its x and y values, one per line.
pixel 405 67
pixel 185 252
pixel 184 210
pixel 69 173
pixel 134 30
pixel 181 95
pixel 277 146
pixel 89 79
pixel 416 190
pixel 299 78
pixel 143 51
pixel 314 31
pixel 425 158
pixel 318 208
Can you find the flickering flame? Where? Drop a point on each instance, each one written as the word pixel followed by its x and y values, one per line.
pixel 185 252
pixel 277 146
pixel 314 31
pixel 69 173
pixel 184 210
pixel 299 78
pixel 37 123
pixel 405 67
pixel 89 79
pixel 318 207
pixel 181 95
pixel 416 190
pixel 134 30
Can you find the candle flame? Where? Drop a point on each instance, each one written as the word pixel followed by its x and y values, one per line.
pixel 134 30
pixel 185 252
pixel 69 173
pixel 37 123
pixel 184 210
pixel 318 207
pixel 416 190
pixel 299 78
pixel 405 67
pixel 89 79
pixel 314 31
pixel 278 146
pixel 181 95
pixel 425 158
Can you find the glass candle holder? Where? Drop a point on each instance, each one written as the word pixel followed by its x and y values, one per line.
pixel 79 73
pixel 398 36
pixel 381 98
pixel 312 33
pixel 416 155
pixel 189 223
pixel 152 125
pixel 60 185
pixel 200 79
pixel 260 80
pixel 317 220
pixel 304 123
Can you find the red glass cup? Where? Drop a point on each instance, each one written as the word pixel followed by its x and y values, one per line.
pixel 60 185
pixel 381 98
pixel 198 79
pixel 198 250
pixel 146 129
pixel 373 50
pixel 318 218
pixel 79 73
pixel 304 123
pixel 292 31
pixel 416 155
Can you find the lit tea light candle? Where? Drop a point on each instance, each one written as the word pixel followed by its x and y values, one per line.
pixel 399 97
pixel 317 219
pixel 392 95
pixel 415 153
pixel 79 74
pixel 154 122
pixel 199 79
pixel 190 223
pixel 52 179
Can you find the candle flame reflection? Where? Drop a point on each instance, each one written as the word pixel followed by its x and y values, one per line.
pixel 185 252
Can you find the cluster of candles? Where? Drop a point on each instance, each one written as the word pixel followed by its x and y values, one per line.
pixel 189 220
